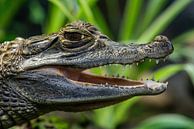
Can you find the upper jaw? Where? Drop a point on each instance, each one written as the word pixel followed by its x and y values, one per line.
pixel 103 52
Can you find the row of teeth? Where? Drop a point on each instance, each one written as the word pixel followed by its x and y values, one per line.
pixel 137 63
pixel 141 80
pixel 126 77
pixel 129 66
pixel 116 76
pixel 107 84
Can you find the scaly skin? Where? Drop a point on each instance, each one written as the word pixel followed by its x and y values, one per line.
pixel 45 73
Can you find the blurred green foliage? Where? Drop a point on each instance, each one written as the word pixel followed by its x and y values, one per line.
pixel 140 21
pixel 167 121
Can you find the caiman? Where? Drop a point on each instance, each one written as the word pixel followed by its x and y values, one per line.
pixel 45 73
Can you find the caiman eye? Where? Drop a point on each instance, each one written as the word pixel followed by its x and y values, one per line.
pixel 75 40
pixel 73 36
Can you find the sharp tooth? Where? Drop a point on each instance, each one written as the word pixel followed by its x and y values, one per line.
pixel 137 64
pixel 157 61
pixel 150 60
pixel 106 83
pixel 123 67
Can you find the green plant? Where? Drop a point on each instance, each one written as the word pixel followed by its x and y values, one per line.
pixel 167 121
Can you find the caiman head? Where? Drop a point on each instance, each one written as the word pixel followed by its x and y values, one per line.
pixel 49 70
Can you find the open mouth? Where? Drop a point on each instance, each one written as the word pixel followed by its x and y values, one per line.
pixel 87 78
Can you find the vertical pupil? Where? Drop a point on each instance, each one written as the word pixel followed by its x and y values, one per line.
pixel 73 36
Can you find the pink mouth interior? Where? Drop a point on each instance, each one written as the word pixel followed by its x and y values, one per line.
pixel 80 76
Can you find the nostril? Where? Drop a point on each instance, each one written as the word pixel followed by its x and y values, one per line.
pixel 167 45
pixel 161 38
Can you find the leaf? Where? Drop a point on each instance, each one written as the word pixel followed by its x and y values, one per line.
pixel 167 121
pixel 149 14
pixel 130 18
pixel 103 26
pixel 185 37
pixel 64 9
pixel 164 19
pixel 55 19
pixel 103 117
pixel 8 8
pixel 183 50
pixel 110 117
pixel 84 5
pixel 121 110
pixel 189 68
pixel 167 71
pixel 37 14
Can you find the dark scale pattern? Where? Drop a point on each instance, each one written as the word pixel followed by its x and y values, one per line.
pixel 14 109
